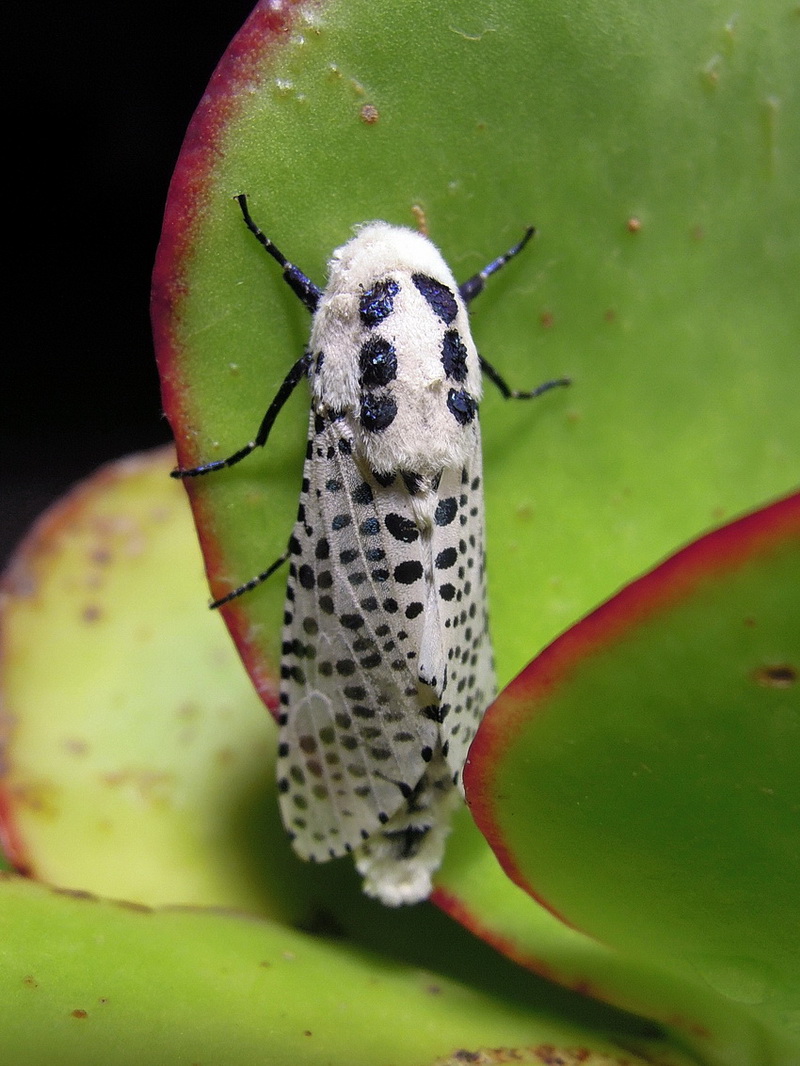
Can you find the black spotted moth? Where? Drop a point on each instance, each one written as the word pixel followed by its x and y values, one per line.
pixel 386 664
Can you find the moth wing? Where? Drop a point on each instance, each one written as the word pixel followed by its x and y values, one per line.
pixel 355 736
pixel 342 776
pixel 459 592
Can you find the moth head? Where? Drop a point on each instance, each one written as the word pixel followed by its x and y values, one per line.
pixel 378 249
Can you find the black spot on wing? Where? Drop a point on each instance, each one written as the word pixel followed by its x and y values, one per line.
pixel 408 572
pixel 363 495
pixel 446 510
pixel 401 528
pixel 306 576
pixel 446 558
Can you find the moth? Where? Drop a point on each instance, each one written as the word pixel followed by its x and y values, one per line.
pixel 386 665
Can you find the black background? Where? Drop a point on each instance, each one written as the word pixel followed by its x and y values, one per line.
pixel 98 98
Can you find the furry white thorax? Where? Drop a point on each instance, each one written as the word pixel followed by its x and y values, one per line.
pixel 424 436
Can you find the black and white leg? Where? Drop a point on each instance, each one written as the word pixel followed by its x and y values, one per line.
pixel 470 289
pixel 475 285
pixel 302 286
pixel 253 583
pixel 517 394
pixel 295 375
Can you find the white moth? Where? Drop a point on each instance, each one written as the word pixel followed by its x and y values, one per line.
pixel 386 665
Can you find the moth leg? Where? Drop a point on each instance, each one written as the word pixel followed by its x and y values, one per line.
pixel 297 281
pixel 475 285
pixel 254 582
pixel 516 394
pixel 298 371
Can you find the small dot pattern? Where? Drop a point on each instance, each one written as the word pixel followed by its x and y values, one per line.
pixel 386 665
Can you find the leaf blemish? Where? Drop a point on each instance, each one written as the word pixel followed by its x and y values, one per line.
pixel 777 675
pixel 369 114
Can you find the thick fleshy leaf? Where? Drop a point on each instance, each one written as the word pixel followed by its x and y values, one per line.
pixel 138 761
pixel 641 779
pixel 87 981
pixel 140 764
pixel 654 151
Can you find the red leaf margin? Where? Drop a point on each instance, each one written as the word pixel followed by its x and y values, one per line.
pixel 244 65
pixel 715 554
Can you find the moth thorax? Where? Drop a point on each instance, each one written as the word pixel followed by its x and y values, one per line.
pixel 422 438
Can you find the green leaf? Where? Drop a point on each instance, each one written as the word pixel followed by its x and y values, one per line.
pixel 679 330
pixel 138 763
pixel 88 981
pixel 655 151
pixel 641 779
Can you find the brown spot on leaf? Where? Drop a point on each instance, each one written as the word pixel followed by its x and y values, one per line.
pixel 541 1055
pixel 80 1014
pixel 369 114
pixel 75 746
pixel 154 787
pixel 30 982
pixel 133 905
pixel 777 675
pixel 634 224
pixel 74 893
pixel 163 514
